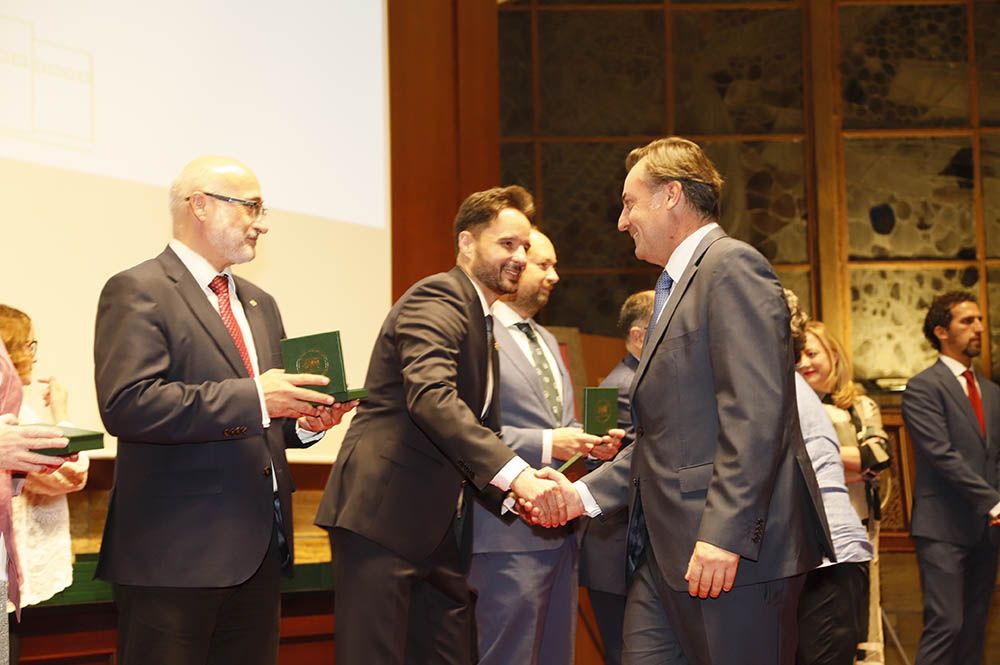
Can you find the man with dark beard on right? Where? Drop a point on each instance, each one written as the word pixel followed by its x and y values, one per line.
pixel 397 501
pixel 952 414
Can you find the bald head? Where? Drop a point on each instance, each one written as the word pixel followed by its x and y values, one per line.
pixel 215 205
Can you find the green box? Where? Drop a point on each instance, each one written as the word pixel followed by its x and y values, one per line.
pixel 320 354
pixel 79 440
pixel 600 413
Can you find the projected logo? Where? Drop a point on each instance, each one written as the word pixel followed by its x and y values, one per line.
pixel 47 88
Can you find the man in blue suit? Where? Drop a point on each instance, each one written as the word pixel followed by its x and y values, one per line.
pixel 525 576
pixel 952 414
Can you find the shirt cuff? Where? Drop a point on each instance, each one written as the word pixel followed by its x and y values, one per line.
pixel 546 447
pixel 265 419
pixel 995 511
pixel 508 473
pixel 306 436
pixel 589 505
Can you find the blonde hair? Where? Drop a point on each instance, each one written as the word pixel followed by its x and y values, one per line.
pixel 15 331
pixel 842 388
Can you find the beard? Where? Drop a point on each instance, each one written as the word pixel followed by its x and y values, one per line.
pixel 499 279
pixel 974 348
pixel 232 245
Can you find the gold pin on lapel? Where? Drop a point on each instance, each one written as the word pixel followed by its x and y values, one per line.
pixel 253 303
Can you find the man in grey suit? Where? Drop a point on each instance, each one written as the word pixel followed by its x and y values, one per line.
pixel 525 576
pixel 602 545
pixel 953 414
pixel 723 501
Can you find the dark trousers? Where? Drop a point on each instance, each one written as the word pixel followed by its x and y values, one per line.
pixel 833 614
pixel 202 626
pixel 392 611
pixel 750 625
pixel 958 583
pixel 609 610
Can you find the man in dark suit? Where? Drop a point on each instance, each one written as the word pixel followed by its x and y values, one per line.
pixel 722 497
pixel 602 546
pixel 396 504
pixel 525 576
pixel 953 416
pixel 188 376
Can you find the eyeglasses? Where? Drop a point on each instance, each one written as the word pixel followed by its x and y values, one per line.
pixel 255 207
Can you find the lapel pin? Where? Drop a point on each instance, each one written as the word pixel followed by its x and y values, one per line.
pixel 253 303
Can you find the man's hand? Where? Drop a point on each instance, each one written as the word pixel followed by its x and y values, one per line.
pixel 327 418
pixel 285 399
pixel 17 442
pixel 609 445
pixel 568 441
pixel 711 570
pixel 571 499
pixel 539 498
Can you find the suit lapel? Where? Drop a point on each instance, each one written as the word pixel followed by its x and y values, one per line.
pixel 676 295
pixel 510 350
pixel 954 390
pixel 204 313
pixel 480 354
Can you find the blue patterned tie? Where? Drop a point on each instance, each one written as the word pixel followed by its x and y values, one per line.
pixel 663 286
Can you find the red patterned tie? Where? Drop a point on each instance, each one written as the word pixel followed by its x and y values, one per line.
pixel 977 403
pixel 220 287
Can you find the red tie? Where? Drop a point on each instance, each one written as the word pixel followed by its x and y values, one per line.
pixel 977 403
pixel 220 287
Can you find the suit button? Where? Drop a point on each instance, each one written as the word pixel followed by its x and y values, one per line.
pixel 635 481
pixel 267 471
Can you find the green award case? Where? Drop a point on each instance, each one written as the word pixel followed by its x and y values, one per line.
pixel 320 354
pixel 79 440
pixel 600 413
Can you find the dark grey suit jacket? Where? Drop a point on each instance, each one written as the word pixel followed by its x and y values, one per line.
pixel 957 469
pixel 525 414
pixel 602 546
pixel 192 502
pixel 718 454
pixel 418 435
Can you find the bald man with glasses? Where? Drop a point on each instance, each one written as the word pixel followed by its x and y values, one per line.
pixel 199 522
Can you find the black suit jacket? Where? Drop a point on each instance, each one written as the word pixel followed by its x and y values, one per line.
pixel 957 475
pixel 419 434
pixel 718 454
pixel 192 501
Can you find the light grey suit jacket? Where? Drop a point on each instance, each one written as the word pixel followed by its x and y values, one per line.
pixel 718 454
pixel 525 414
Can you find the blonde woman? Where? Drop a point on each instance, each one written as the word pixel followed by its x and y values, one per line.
pixel 857 419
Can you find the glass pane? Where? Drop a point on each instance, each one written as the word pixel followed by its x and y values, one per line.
pixel 909 198
pixel 517 165
pixel 591 302
pixel 988 61
pixel 993 293
pixel 763 200
pixel 738 72
pixel 582 187
pixel 602 73
pixel 990 156
pixel 887 315
pixel 799 282
pixel 515 74
pixel 904 66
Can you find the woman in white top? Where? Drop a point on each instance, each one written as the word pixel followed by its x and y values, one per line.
pixel 41 512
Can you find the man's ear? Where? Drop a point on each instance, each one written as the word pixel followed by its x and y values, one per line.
pixel 197 202
pixel 466 244
pixel 941 333
pixel 636 335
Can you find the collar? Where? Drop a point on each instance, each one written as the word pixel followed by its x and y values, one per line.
pixel 505 315
pixel 199 267
pixel 956 368
pixel 479 292
pixel 630 360
pixel 679 260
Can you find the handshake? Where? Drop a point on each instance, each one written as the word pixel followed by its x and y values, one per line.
pixel 545 497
